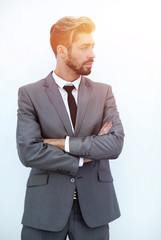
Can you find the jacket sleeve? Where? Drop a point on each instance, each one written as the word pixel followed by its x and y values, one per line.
pixel 31 149
pixel 106 146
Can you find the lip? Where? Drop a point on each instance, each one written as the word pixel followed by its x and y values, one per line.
pixel 89 64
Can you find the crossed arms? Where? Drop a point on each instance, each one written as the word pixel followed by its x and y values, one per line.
pixel 60 143
pixel 36 152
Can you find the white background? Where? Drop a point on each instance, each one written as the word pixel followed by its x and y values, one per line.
pixel 128 56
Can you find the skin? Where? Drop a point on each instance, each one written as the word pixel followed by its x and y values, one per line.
pixel 71 63
pixel 80 56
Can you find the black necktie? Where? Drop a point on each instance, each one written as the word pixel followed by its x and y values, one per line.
pixel 71 103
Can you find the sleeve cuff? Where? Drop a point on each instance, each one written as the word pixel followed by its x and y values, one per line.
pixel 81 160
pixel 67 144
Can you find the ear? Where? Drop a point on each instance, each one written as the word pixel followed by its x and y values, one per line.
pixel 62 51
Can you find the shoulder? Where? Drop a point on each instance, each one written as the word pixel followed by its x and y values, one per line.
pixel 33 85
pixel 96 85
pixel 37 85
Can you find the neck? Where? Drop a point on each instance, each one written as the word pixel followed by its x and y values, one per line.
pixel 66 73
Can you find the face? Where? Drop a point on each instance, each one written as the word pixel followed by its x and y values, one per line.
pixel 80 56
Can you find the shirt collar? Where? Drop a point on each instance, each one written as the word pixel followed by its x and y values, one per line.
pixel 61 82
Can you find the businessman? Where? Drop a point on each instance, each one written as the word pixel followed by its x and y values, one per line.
pixel 68 129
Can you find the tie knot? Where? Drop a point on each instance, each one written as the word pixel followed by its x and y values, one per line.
pixel 69 89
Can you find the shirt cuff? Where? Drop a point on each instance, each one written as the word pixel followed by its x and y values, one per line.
pixel 81 161
pixel 67 144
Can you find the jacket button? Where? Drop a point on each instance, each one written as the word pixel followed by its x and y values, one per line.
pixel 72 180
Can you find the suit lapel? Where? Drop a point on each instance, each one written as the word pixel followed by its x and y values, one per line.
pixel 54 96
pixel 84 93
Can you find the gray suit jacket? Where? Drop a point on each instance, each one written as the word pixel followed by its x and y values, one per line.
pixel 55 174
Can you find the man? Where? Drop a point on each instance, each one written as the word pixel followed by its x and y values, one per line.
pixel 68 129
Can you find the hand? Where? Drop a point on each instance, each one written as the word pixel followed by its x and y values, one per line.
pixel 105 128
pixel 87 160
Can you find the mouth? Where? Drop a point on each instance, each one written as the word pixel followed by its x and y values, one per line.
pixel 88 64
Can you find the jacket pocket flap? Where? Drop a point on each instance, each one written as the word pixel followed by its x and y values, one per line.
pixel 37 180
pixel 105 176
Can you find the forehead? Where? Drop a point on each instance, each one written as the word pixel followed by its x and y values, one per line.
pixel 84 38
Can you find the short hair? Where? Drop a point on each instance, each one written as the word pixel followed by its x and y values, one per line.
pixel 65 30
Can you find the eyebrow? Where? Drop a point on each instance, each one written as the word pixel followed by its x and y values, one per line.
pixel 87 44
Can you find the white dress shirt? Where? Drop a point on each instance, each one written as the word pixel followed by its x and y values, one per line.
pixel 61 83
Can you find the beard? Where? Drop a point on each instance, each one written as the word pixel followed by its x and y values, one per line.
pixel 81 70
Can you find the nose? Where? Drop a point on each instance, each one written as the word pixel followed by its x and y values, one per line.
pixel 91 53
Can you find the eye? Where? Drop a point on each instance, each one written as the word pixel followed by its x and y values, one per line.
pixel 84 47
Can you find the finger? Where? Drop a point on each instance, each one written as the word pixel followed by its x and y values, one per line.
pixel 103 127
pixel 87 160
pixel 106 128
